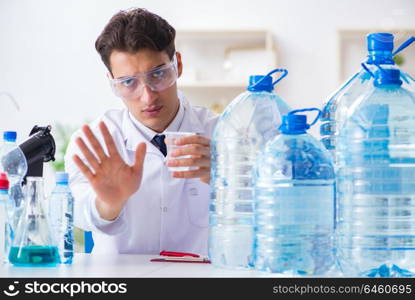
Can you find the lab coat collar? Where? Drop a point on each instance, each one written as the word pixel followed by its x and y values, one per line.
pixel 178 119
pixel 146 132
pixel 191 121
pixel 133 136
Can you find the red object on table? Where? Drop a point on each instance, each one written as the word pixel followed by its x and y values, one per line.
pixel 170 256
pixel 178 254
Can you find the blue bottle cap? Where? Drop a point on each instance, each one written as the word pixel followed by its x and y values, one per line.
pixel 387 77
pixel 62 177
pixel 9 136
pixel 260 83
pixel 380 41
pixel 294 124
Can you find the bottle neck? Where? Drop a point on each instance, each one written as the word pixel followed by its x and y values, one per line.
pixel 380 58
pixel 388 86
pixel 300 132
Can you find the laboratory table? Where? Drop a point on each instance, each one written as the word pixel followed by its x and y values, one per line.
pixel 126 265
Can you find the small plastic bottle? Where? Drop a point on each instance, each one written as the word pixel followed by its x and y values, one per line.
pixel 61 208
pixel 4 200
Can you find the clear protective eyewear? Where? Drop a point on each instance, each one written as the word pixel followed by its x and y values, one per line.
pixel 157 79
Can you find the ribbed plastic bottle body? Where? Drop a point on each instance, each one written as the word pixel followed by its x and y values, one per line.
pixel 294 213
pixel 13 162
pixel 61 208
pixel 335 111
pixel 242 130
pixel 375 234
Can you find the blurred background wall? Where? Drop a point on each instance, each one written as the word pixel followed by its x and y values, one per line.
pixel 49 64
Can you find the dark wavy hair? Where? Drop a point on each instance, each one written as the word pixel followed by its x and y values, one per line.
pixel 135 29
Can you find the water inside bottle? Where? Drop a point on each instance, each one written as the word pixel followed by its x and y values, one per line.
pixel 242 130
pixel 376 233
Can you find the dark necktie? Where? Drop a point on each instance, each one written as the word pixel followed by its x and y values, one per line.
pixel 158 141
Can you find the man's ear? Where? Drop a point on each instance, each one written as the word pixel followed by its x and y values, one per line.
pixel 179 64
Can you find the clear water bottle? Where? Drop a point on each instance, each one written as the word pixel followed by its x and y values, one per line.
pixel 379 46
pixel 13 162
pixel 61 207
pixel 4 200
pixel 294 202
pixel 375 234
pixel 247 123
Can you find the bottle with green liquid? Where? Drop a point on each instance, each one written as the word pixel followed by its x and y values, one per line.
pixel 33 244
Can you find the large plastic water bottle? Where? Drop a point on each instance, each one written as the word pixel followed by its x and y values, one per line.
pixel 61 207
pixel 247 123
pixel 379 46
pixel 13 162
pixel 375 234
pixel 294 202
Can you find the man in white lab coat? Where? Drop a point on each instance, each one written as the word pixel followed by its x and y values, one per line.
pixel 123 189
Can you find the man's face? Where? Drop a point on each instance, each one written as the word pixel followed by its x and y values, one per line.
pixel 154 109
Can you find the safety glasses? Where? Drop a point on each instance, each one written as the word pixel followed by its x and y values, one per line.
pixel 157 80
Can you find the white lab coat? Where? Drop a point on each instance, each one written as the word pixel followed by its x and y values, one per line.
pixel 165 213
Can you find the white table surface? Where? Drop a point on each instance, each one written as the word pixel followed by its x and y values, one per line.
pixel 126 265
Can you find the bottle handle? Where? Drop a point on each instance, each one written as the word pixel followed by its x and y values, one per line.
pixel 400 48
pixel 402 75
pixel 404 45
pixel 283 71
pixel 308 109
pixel 367 69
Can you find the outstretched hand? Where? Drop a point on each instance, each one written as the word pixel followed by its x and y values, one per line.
pixel 112 179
